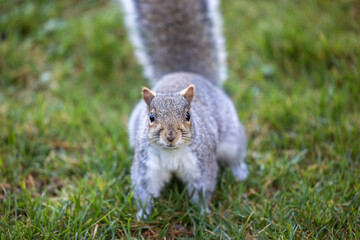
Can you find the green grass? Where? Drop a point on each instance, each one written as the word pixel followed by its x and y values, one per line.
pixel 68 82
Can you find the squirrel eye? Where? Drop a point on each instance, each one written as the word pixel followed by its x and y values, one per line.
pixel 152 117
pixel 187 116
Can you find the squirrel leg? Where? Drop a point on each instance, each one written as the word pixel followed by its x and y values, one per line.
pixel 232 151
pixel 231 155
pixel 144 203
pixel 148 184
pixel 201 188
pixel 200 197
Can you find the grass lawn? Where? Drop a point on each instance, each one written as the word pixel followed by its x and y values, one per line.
pixel 69 80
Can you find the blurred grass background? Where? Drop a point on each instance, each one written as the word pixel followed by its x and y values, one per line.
pixel 68 82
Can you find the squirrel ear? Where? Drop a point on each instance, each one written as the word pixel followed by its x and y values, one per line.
pixel 188 93
pixel 147 95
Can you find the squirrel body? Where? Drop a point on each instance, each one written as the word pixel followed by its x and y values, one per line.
pixel 186 124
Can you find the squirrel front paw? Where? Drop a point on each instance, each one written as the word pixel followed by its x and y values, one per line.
pixel 204 210
pixel 142 215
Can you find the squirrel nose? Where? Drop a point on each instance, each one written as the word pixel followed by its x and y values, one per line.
pixel 170 136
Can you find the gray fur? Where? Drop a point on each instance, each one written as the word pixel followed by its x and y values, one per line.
pixel 216 133
pixel 179 43
pixel 177 35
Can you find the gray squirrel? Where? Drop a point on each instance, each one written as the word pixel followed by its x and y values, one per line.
pixel 186 124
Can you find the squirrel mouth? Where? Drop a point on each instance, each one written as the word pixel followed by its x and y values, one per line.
pixel 170 146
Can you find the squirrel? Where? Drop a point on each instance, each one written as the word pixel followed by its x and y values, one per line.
pixel 185 125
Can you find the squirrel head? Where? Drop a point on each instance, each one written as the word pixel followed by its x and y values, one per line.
pixel 169 117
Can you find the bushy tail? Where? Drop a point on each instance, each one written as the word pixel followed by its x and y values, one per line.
pixel 177 35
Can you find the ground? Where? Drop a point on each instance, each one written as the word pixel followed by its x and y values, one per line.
pixel 68 82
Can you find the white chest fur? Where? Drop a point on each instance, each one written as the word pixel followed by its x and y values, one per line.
pixel 163 163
